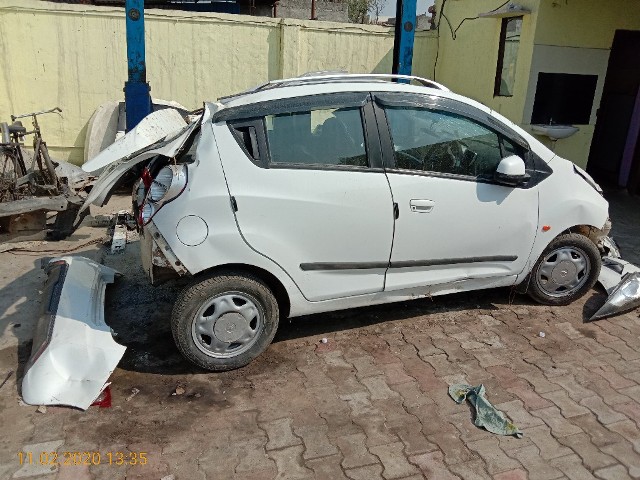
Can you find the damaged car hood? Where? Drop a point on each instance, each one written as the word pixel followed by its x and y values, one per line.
pixel 169 147
pixel 151 129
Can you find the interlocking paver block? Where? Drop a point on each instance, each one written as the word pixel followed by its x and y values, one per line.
pixel 631 410
pixel 539 382
pixel 315 440
pixel 473 470
pixel 495 459
pixel 354 451
pixel 531 400
pixel 591 456
pixel 560 426
pixel 537 467
pixel 568 330
pixel 517 474
pixel 414 440
pixel 29 469
pixel 252 456
pixel 393 460
pixel 629 430
pixel 432 465
pixel 599 435
pixel 546 443
pixel 567 406
pixel 365 366
pixel 604 413
pixel 327 468
pixel 626 352
pixel 455 451
pixel 614 472
pixel 576 391
pixel 370 472
pixel 375 429
pixel 625 454
pixel 280 434
pixel 515 411
pixel 395 374
pixel 488 359
pixel 616 380
pixel 411 394
pixel 572 467
pixel 289 464
pixel 378 388
pixel 359 403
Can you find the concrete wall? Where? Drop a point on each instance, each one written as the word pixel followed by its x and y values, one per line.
pixel 326 10
pixel 74 56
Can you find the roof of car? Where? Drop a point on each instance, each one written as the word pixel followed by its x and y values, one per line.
pixel 324 83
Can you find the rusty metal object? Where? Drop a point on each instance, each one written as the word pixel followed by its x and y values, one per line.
pixel 31 184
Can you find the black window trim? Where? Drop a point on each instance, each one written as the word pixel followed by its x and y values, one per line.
pixel 241 117
pixel 536 167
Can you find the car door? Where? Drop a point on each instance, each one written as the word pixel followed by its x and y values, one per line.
pixel 455 223
pixel 310 190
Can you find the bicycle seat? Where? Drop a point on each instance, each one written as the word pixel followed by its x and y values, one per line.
pixel 16 127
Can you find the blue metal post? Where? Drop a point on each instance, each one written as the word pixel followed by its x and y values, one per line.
pixel 137 99
pixel 404 34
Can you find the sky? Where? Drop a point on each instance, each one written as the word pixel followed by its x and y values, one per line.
pixel 389 9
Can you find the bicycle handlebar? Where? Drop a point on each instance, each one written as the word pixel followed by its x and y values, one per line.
pixel 53 110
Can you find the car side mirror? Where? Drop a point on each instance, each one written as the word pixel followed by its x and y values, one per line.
pixel 511 171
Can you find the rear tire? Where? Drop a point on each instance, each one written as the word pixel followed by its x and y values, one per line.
pixel 567 269
pixel 225 320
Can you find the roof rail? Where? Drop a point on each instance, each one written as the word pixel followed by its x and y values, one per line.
pixel 328 77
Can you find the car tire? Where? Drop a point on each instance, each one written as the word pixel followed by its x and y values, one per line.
pixel 571 255
pixel 225 320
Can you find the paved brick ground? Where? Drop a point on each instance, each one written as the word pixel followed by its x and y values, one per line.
pixel 371 403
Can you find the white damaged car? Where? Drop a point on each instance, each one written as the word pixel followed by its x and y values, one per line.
pixel 328 192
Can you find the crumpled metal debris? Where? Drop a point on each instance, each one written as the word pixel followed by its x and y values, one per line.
pixel 621 280
pixel 487 416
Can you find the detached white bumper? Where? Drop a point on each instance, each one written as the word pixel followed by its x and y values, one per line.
pixel 73 351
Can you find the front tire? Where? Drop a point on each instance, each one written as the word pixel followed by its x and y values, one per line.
pixel 225 320
pixel 567 269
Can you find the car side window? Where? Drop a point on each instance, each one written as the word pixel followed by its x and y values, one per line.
pixel 330 136
pixel 444 142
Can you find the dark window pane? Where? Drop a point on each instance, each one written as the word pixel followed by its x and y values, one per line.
pixel 319 137
pixel 564 98
pixel 508 56
pixel 443 142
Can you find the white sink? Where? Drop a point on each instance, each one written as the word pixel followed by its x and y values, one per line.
pixel 554 132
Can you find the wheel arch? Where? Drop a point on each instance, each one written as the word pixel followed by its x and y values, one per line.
pixel 276 286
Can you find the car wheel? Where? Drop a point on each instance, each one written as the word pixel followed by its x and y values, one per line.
pixel 224 321
pixel 567 269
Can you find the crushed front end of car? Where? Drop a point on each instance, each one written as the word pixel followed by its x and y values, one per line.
pixel 73 351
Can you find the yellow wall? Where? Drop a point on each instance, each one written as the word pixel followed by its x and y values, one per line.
pixel 468 64
pixel 563 36
pixel 576 37
pixel 74 56
pixel 585 23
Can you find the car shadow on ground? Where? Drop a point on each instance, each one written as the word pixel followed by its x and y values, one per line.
pixel 140 316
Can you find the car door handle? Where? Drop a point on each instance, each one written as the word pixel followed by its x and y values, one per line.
pixel 422 206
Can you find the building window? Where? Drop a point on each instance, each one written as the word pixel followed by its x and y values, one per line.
pixel 508 56
pixel 564 98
